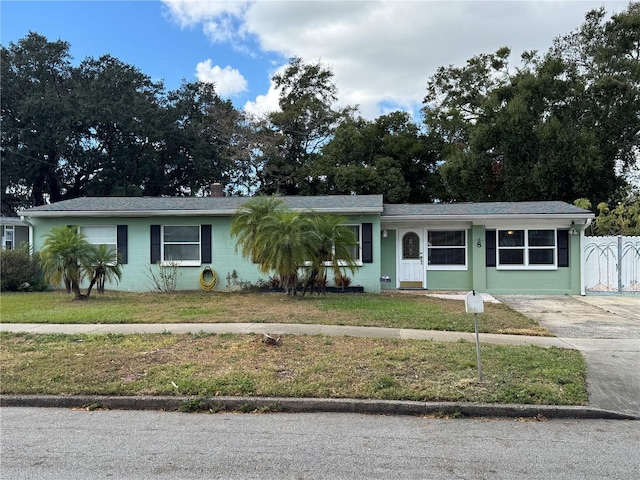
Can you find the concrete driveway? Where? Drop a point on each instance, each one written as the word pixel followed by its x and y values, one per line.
pixel 606 329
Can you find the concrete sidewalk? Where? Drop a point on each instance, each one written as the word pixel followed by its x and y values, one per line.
pixel 283 329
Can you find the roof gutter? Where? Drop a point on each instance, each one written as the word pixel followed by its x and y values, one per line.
pixel 174 213
pixel 485 218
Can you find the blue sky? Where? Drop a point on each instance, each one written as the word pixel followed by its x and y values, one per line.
pixel 382 52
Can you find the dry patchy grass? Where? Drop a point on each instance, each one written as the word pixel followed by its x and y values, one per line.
pixel 304 366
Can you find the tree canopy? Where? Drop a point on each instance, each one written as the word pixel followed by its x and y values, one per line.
pixel 102 128
pixel 561 125
pixel 565 125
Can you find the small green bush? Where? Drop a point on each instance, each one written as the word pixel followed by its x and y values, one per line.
pixel 20 271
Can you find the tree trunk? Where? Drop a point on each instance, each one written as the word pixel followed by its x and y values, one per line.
pixel 77 295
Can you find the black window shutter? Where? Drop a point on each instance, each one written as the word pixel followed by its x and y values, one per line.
pixel 205 243
pixel 563 248
pixel 122 242
pixel 490 247
pixel 367 243
pixel 155 243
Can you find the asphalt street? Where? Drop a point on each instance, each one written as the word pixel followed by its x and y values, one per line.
pixel 52 443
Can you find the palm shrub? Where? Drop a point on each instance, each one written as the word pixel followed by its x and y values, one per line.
pixel 282 246
pixel 284 241
pixel 248 220
pixel 330 246
pixel 66 257
pixel 102 265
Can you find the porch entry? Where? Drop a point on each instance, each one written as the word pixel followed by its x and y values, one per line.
pixel 412 272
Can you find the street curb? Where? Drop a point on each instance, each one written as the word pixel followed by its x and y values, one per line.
pixel 309 405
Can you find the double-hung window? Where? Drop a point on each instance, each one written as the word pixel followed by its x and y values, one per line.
pixel 355 249
pixel 7 237
pixel 534 248
pixel 181 244
pixel 101 235
pixel 447 249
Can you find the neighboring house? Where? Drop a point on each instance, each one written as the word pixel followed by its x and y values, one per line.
pixel 13 232
pixel 501 247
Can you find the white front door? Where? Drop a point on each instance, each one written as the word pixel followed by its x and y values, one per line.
pixel 411 268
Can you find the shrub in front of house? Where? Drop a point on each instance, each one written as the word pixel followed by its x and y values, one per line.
pixel 20 270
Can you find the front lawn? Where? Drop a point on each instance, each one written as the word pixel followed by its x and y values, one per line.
pixel 375 310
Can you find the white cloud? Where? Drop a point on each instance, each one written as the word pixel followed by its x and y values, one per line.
pixel 263 104
pixel 266 103
pixel 383 52
pixel 229 81
pixel 192 12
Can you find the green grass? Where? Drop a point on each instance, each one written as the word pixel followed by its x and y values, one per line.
pixel 376 310
pixel 304 366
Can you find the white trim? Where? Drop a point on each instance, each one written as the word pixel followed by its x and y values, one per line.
pixel 400 232
pixel 486 219
pixel 182 213
pixel 9 229
pixel 181 263
pixel 465 232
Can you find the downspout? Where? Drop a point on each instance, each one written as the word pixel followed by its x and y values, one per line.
pixel 582 258
pixel 30 233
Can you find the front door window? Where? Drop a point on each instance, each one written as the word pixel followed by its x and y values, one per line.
pixel 410 246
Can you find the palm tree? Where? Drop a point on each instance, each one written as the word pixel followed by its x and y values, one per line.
pixel 101 266
pixel 62 257
pixel 247 221
pixel 282 245
pixel 284 241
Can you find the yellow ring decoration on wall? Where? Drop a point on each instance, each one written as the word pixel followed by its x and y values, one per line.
pixel 208 286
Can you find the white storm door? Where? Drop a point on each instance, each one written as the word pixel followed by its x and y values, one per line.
pixel 411 259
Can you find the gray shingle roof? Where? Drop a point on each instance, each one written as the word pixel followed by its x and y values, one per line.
pixel 139 206
pixel 15 221
pixel 484 209
pixel 200 205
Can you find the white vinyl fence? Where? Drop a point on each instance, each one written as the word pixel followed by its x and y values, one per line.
pixel 612 264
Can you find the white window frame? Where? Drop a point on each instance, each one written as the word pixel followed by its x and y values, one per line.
pixel 358 247
pixel 181 263
pixel 465 234
pixel 526 248
pixel 9 231
pixel 358 260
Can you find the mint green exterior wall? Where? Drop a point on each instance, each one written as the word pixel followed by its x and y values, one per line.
pixel 136 272
pixel 368 274
pixel 388 261
pixel 446 279
pixel 479 277
pixel 135 278
pixel 563 281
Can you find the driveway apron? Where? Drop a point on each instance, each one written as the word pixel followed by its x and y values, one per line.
pixel 606 329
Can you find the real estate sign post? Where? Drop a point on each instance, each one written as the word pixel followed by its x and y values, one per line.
pixel 473 304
